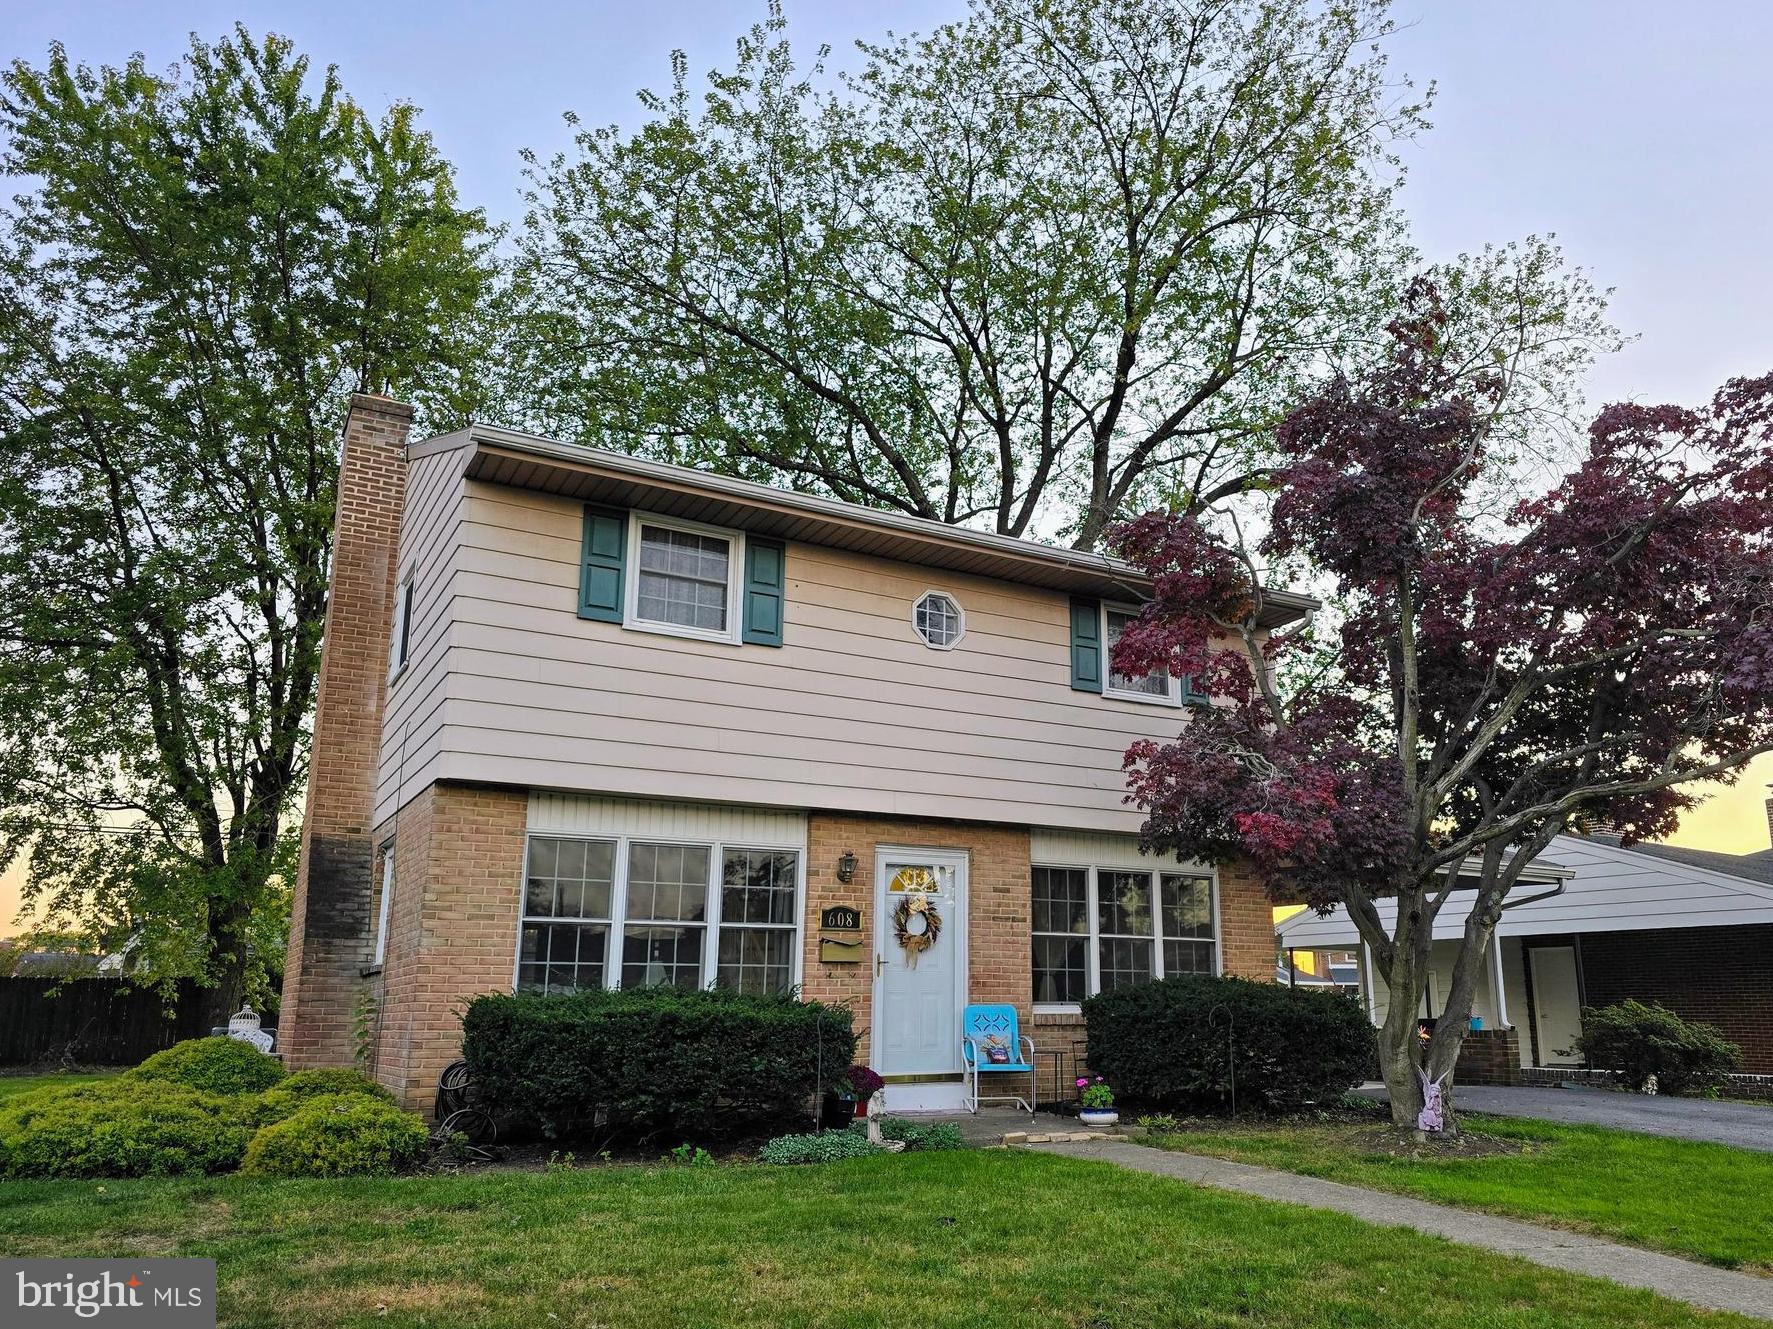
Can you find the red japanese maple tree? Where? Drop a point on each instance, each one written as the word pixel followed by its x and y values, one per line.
pixel 1590 653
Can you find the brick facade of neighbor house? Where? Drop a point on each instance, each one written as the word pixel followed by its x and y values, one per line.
pixel 330 914
pixel 1723 976
pixel 452 926
pixel 1489 1056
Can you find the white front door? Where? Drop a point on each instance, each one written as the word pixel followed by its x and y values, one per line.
pixel 1557 1004
pixel 919 989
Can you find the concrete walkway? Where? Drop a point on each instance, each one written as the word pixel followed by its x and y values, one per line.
pixel 1744 1125
pixel 1680 1280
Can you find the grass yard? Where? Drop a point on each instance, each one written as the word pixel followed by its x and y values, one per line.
pixel 1705 1201
pixel 11 1085
pixel 973 1238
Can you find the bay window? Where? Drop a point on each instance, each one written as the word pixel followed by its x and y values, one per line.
pixel 1097 929
pixel 686 915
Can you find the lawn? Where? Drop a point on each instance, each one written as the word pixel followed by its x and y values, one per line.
pixel 974 1238
pixel 11 1085
pixel 1705 1201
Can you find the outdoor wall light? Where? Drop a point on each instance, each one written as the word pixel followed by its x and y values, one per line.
pixel 846 867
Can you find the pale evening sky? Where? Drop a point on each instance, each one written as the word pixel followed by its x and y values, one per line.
pixel 1634 131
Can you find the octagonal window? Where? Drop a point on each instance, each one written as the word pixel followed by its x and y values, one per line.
pixel 938 620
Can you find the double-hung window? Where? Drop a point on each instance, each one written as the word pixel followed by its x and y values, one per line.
pixel 635 912
pixel 1097 929
pixel 1157 686
pixel 684 579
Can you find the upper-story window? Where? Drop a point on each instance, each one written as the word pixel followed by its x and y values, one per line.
pixel 400 640
pixel 939 620
pixel 1155 686
pixel 664 575
pixel 685 578
pixel 1095 628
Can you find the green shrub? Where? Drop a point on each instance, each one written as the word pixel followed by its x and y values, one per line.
pixel 680 1064
pixel 286 1096
pixel 826 1148
pixel 1636 1041
pixel 1165 1044
pixel 120 1128
pixel 341 1135
pixel 918 1135
pixel 214 1065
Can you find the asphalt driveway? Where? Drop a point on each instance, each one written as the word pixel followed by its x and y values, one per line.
pixel 1745 1125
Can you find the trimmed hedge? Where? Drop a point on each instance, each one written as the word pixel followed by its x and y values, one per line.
pixel 1164 1044
pixel 1636 1041
pixel 290 1095
pixel 653 1059
pixel 121 1128
pixel 339 1135
pixel 214 1065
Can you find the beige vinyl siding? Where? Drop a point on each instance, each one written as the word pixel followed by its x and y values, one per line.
pixel 413 716
pixel 852 713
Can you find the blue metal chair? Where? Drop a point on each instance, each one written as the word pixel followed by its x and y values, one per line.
pixel 984 1029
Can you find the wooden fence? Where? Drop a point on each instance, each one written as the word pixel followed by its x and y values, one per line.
pixel 91 1021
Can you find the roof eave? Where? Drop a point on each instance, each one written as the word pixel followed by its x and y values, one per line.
pixel 505 456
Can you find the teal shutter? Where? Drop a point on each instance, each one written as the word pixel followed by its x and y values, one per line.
pixel 1191 693
pixel 765 591
pixel 1086 646
pixel 601 578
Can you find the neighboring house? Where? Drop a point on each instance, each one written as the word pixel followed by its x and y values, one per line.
pixel 586 719
pixel 1689 929
pixel 1340 970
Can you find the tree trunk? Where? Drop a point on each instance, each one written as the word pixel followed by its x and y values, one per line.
pixel 1399 1056
pixel 219 1001
pixel 227 965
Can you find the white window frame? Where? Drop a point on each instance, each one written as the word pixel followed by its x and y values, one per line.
pixel 711 925
pixel 959 610
pixel 735 569
pixel 1172 695
pixel 382 908
pixel 400 639
pixel 1093 936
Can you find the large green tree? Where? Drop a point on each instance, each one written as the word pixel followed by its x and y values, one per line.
pixel 1055 261
pixel 200 267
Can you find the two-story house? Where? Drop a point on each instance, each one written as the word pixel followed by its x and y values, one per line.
pixel 588 719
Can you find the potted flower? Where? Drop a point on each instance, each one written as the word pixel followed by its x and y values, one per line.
pixel 850 1098
pixel 1098 1102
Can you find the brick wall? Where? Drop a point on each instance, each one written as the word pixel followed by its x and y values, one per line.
pixel 1721 975
pixel 999 945
pixel 1489 1056
pixel 331 924
pixel 452 926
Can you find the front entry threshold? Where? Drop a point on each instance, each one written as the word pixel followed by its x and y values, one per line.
pixel 947 1095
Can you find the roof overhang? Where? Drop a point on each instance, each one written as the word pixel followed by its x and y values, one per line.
pixel 597 475
pixel 1309 930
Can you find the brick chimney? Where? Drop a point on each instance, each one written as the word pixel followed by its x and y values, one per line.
pixel 330 918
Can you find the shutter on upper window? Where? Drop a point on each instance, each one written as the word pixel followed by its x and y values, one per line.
pixel 600 565
pixel 1086 646
pixel 1192 694
pixel 765 591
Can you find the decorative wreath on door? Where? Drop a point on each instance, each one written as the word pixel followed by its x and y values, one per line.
pixel 916 943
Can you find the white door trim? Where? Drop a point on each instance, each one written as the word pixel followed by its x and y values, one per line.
pixel 958 859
